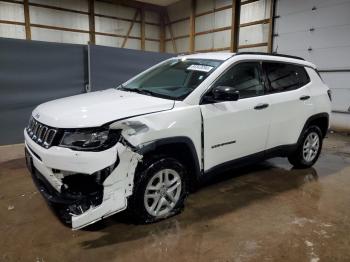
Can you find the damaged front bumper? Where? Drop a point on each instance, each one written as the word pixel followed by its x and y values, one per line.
pixel 83 187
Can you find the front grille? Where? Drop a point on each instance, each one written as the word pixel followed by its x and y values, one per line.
pixel 40 133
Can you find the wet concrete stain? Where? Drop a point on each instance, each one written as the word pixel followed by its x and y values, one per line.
pixel 265 212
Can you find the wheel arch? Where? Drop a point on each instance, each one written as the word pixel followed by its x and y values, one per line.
pixel 321 120
pixel 181 148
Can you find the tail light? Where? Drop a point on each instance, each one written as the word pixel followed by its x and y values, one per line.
pixel 329 92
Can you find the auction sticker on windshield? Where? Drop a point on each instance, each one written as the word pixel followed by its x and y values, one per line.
pixel 202 68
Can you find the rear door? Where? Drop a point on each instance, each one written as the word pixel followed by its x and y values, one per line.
pixel 235 129
pixel 290 102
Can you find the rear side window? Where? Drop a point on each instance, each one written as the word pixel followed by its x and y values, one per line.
pixel 285 77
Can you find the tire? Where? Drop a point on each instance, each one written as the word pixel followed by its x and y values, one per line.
pixel 309 148
pixel 165 197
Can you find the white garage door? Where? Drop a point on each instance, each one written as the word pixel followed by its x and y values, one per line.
pixel 319 31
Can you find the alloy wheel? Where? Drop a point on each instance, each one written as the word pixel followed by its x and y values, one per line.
pixel 162 192
pixel 311 146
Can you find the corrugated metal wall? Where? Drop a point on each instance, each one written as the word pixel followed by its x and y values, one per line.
pixel 255 34
pixel 15 13
pixel 69 23
pixel 213 20
pixel 180 12
pixel 206 22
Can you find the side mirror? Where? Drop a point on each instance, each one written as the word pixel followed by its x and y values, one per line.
pixel 225 93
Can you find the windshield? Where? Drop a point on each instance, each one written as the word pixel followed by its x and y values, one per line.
pixel 173 79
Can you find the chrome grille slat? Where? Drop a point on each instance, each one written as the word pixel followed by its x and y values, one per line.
pixel 40 133
pixel 49 137
pixel 36 131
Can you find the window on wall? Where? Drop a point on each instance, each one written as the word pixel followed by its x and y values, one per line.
pixel 244 77
pixel 285 77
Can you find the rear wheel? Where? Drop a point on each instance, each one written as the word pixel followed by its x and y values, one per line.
pixel 160 190
pixel 309 148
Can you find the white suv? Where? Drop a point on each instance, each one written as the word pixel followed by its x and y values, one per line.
pixel 144 144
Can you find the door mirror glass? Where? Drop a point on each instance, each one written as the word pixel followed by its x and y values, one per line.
pixel 225 93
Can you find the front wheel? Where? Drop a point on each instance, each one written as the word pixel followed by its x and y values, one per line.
pixel 159 191
pixel 309 148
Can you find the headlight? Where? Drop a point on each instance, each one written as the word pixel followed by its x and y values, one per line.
pixel 89 140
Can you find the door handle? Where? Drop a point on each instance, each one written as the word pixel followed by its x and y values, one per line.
pixel 260 106
pixel 304 97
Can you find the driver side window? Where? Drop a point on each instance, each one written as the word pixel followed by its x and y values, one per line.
pixel 244 77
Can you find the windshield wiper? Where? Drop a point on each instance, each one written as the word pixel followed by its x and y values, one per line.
pixel 122 87
pixel 138 90
pixel 144 92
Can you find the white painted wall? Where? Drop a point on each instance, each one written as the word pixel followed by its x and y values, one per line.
pixel 328 41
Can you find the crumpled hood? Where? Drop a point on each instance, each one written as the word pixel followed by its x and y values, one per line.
pixel 97 108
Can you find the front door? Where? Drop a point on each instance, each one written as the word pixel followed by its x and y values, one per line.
pixel 234 129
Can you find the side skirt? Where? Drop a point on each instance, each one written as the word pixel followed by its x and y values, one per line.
pixel 279 151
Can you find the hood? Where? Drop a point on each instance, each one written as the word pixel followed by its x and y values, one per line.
pixel 97 108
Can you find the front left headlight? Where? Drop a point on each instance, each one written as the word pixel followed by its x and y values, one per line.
pixel 89 140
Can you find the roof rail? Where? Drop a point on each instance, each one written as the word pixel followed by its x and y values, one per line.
pixel 273 54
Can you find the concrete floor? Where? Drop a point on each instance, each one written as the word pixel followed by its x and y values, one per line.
pixel 267 212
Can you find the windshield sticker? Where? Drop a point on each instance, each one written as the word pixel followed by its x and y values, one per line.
pixel 202 68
